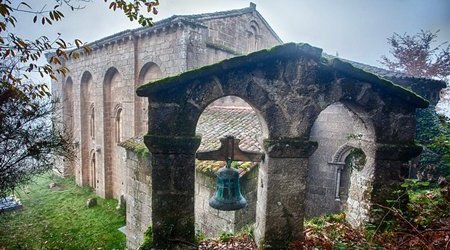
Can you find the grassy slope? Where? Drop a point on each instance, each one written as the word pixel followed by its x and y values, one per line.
pixel 58 218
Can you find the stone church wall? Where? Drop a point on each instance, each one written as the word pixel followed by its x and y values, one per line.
pixel 335 130
pixel 100 108
pixel 102 85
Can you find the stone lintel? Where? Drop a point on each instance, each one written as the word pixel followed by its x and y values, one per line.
pixel 289 148
pixel 167 144
pixel 397 152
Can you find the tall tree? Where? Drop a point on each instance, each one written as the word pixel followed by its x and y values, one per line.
pixel 28 138
pixel 419 55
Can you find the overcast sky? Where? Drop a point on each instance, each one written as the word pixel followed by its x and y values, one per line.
pixel 356 29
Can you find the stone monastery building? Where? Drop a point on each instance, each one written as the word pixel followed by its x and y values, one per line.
pixel 108 121
pixel 99 99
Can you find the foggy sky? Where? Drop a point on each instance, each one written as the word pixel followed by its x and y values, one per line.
pixel 356 29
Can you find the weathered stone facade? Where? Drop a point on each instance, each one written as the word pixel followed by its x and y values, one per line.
pixel 314 112
pixel 223 117
pixel 100 107
pixel 288 87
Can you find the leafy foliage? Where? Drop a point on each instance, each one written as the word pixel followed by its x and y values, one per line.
pixel 29 138
pixel 433 133
pixel 148 239
pixel 356 159
pixel 418 56
pixel 133 9
pixel 244 240
pixel 29 142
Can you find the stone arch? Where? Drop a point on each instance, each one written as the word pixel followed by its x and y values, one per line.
pixel 86 100
pixel 342 153
pixel 229 115
pixel 68 118
pixel 253 36
pixel 149 72
pixel 241 102
pixel 68 104
pixel 339 128
pixel 288 86
pixel 92 121
pixel 344 172
pixel 111 99
pixel 118 123
pixel 180 117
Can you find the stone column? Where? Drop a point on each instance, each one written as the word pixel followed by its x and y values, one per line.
pixel 388 175
pixel 281 192
pixel 173 188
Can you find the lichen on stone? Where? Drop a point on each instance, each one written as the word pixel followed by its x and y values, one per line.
pixel 136 145
pixel 289 50
pixel 363 75
pixel 210 168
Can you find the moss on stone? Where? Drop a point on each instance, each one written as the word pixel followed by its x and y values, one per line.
pixel 210 168
pixel 136 145
pixel 148 240
pixel 365 76
pixel 289 50
pixel 222 47
pixel 172 144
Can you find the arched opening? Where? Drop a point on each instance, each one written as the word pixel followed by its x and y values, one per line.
pixel 92 122
pixel 338 168
pixel 150 72
pixel 93 172
pixel 86 98
pixel 253 37
pixel 228 115
pixel 114 97
pixel 68 119
pixel 68 105
pixel 118 125
pixel 347 159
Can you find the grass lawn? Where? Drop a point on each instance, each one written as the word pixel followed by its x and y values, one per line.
pixel 58 218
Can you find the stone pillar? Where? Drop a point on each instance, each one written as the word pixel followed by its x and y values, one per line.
pixel 281 192
pixel 173 188
pixel 388 175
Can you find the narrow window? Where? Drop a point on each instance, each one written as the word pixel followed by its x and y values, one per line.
pixel 93 172
pixel 118 125
pixel 92 123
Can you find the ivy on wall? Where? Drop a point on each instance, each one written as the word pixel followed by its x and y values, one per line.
pixel 433 133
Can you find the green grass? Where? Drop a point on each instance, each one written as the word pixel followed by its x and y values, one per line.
pixel 59 219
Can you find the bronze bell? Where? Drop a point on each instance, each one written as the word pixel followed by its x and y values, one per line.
pixel 228 195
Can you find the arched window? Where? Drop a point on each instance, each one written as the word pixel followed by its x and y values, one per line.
pixel 92 123
pixel 118 125
pixel 253 37
pixel 347 159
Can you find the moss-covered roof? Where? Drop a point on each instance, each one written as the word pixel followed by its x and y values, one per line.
pixel 210 168
pixel 289 50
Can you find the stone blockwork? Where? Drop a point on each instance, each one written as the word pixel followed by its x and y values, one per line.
pixel 212 222
pixel 139 198
pixel 99 102
pixel 288 86
pixel 221 118
pixel 300 97
pixel 332 185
